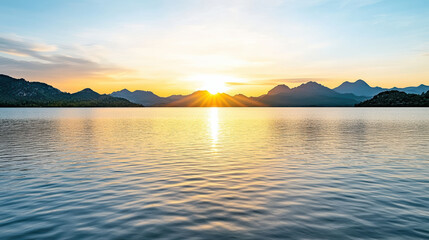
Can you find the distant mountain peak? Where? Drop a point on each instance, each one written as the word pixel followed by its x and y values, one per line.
pixel 358 82
pixel 282 88
pixel 125 90
pixel 86 93
pixel 311 84
pixel 361 82
pixel 87 90
pixel 358 88
pixel 145 98
pixel 313 88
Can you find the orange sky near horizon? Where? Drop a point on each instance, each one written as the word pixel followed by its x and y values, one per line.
pixel 246 87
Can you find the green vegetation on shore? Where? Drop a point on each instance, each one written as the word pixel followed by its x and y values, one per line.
pixel 397 99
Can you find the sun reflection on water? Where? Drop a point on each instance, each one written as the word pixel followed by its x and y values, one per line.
pixel 214 125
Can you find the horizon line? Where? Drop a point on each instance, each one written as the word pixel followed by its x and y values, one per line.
pixel 225 92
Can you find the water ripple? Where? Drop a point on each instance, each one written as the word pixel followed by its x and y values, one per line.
pixel 258 173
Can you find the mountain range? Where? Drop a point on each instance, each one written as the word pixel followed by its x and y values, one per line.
pixel 206 99
pixel 310 94
pixel 145 98
pixel 19 92
pixel 305 95
pixel 361 88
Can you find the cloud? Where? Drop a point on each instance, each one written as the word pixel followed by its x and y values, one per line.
pixel 19 47
pixel 42 62
pixel 62 65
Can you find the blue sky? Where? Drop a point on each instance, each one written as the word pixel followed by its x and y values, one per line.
pixel 179 46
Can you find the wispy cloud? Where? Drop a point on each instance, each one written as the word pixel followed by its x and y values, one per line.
pixel 19 47
pixel 41 61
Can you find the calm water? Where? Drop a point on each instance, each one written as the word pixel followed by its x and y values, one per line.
pixel 208 173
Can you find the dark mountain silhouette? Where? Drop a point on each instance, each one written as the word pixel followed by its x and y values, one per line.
pixel 416 90
pixel 196 99
pixel 206 99
pixel 21 93
pixel 358 88
pixel 145 98
pixel 85 94
pixel 310 94
pixel 16 90
pixel 397 99
pixel 279 89
pixel 361 88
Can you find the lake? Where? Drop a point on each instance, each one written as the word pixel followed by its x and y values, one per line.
pixel 214 173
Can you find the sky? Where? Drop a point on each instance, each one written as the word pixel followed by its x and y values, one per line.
pixel 235 46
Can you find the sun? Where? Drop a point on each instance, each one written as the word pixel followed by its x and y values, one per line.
pixel 213 83
pixel 215 87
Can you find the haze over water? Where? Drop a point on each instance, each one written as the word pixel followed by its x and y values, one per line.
pixel 214 173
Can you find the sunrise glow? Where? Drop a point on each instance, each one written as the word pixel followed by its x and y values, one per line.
pixel 213 83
